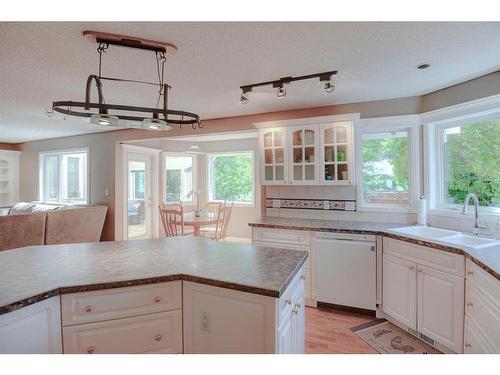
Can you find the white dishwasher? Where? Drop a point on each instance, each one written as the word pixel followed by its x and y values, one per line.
pixel 346 269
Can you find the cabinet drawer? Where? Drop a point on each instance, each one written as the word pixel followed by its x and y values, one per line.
pixel 292 237
pixel 96 306
pixel 488 284
pixel 286 301
pixel 433 258
pixel 474 342
pixel 484 314
pixel 155 333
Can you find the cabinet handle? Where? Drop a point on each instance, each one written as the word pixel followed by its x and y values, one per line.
pixel 470 304
pixel 90 349
pixel 295 311
pixel 158 337
pixel 419 269
pixel 470 273
pixel 411 267
pixel 467 345
pixel 297 305
pixel 89 308
pixel 302 277
pixel 157 299
pixel 288 301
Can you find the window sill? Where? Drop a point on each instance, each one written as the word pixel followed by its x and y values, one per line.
pixel 387 209
pixel 484 215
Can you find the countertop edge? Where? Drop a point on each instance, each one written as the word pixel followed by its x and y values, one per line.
pixel 151 280
pixel 433 245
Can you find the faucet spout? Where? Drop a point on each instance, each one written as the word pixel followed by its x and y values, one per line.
pixel 477 227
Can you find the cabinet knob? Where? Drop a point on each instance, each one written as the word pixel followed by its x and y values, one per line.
pixel 467 345
pixel 90 349
pixel 157 299
pixel 302 277
pixel 470 304
pixel 295 311
pixel 288 301
pixel 158 337
pixel 470 273
pixel 419 269
pixel 411 267
pixel 297 306
pixel 89 308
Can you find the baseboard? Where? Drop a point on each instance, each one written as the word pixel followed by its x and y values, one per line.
pixel 357 310
pixel 238 240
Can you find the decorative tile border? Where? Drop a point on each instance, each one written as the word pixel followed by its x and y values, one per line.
pixel 312 204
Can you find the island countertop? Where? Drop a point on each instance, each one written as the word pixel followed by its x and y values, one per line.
pixel 34 273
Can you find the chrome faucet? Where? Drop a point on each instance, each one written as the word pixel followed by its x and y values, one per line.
pixel 477 226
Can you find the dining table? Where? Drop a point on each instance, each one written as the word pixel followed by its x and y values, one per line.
pixel 205 219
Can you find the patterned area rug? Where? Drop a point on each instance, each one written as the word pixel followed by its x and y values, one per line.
pixel 387 338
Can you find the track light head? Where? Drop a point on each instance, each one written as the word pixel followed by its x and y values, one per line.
pixel 244 98
pixel 330 85
pixel 281 92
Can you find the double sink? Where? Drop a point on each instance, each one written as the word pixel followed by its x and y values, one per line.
pixel 446 236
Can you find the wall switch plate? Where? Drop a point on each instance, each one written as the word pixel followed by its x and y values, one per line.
pixel 350 206
pixel 106 192
pixel 205 321
pixel 276 203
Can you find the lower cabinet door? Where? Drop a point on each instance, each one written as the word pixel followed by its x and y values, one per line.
pixel 399 296
pixel 474 341
pixel 441 307
pixel 286 336
pixel 155 333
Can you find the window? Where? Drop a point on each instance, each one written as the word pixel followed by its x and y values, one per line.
pixel 231 177
pixel 64 177
pixel 179 177
pixel 469 161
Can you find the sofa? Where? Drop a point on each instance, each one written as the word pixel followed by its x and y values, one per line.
pixel 31 223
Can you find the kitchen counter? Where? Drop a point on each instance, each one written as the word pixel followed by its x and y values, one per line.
pixel 487 258
pixel 31 274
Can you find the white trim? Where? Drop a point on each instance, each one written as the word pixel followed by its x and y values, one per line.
pixel 140 149
pixel 10 152
pixel 41 172
pixel 409 124
pixel 308 120
pixel 254 179
pixel 483 106
pixel 163 173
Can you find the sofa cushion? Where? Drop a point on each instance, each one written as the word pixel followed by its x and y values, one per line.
pixel 22 208
pixel 40 207
pixel 22 230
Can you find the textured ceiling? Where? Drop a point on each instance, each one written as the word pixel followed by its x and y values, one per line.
pixel 42 62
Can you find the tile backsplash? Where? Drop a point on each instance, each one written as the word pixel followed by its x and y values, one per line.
pixel 309 209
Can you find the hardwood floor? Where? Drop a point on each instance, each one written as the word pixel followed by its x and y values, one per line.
pixel 329 331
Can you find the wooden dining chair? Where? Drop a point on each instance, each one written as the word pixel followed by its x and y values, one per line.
pixel 219 229
pixel 172 218
pixel 213 207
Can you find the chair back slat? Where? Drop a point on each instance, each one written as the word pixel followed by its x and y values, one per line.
pixel 172 219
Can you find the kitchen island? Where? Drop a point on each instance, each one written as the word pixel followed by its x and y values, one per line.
pixel 168 295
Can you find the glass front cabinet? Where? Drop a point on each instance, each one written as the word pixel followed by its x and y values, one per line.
pixel 313 154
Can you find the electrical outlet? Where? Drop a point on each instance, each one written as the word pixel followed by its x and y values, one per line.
pixel 205 321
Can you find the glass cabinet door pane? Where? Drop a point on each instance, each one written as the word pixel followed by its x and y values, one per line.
pixel 309 155
pixel 279 156
pixel 268 174
pixel 278 138
pixel 329 135
pixel 329 156
pixel 341 134
pixel 297 138
pixel 330 172
pixel 297 173
pixel 268 139
pixel 280 172
pixel 342 153
pixel 308 137
pixel 297 155
pixel 342 173
pixel 268 155
pixel 309 172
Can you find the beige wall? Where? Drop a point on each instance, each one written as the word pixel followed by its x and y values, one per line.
pixel 102 145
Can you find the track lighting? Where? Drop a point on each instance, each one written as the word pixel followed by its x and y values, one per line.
pixel 104 120
pixel 279 84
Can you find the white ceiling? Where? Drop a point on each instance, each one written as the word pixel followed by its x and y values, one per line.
pixel 43 62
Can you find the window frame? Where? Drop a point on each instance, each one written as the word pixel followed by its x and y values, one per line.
pixel 165 154
pixel 209 157
pixel 41 174
pixel 435 151
pixel 408 123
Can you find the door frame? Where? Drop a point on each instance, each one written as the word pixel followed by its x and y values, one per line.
pixel 121 186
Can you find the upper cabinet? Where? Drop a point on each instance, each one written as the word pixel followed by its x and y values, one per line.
pixel 9 177
pixel 307 151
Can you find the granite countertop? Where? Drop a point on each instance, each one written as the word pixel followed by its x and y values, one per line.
pixel 488 258
pixel 34 273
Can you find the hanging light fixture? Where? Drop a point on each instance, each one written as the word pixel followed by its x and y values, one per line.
pixel 149 118
pixel 194 150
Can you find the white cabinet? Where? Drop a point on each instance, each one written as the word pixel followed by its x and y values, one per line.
pixel 400 290
pixel 337 153
pixel 418 294
pixel 310 151
pixel 482 311
pixel 440 307
pixel 34 329
pixel 9 177
pixel 292 240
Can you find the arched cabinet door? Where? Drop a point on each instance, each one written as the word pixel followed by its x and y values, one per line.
pixel 303 155
pixel 336 153
pixel 273 156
